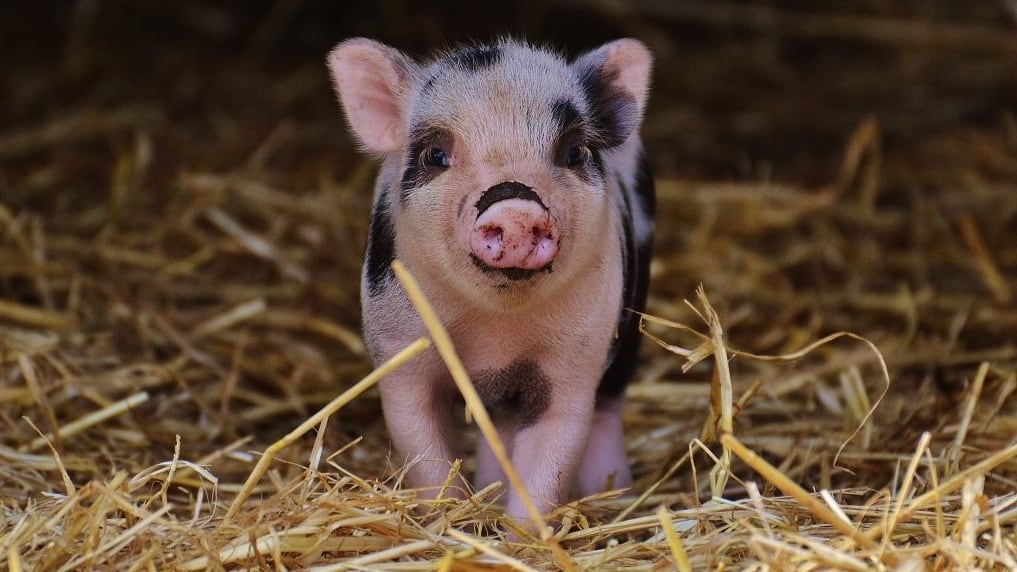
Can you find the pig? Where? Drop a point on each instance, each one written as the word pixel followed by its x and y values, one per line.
pixel 513 186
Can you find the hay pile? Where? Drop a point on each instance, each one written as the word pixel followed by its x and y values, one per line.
pixel 179 260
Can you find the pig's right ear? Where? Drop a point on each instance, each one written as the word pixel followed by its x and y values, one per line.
pixel 373 82
pixel 616 79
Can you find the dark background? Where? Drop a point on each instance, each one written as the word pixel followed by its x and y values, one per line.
pixel 743 90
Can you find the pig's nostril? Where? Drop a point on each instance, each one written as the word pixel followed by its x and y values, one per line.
pixel 491 237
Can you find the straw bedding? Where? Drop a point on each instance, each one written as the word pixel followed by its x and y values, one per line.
pixel 830 362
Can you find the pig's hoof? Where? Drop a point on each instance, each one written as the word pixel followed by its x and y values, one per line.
pixel 515 234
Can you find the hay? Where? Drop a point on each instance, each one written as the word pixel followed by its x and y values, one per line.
pixel 183 385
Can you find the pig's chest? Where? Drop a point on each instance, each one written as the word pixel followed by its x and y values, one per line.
pixel 520 391
pixel 487 343
pixel 518 365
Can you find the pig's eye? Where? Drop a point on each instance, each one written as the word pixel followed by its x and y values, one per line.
pixel 434 157
pixel 577 156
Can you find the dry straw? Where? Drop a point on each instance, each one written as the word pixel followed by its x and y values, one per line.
pixel 338 521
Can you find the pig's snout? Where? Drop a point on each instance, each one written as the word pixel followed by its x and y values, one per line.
pixel 516 230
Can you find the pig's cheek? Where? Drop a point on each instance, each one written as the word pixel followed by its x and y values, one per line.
pixel 426 216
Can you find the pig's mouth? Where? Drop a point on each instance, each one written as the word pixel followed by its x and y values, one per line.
pixel 514 274
pixel 514 234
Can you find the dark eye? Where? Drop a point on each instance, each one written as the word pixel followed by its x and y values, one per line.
pixel 434 157
pixel 577 156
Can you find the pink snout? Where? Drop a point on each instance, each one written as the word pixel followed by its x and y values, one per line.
pixel 515 233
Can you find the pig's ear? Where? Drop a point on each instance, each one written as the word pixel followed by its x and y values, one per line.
pixel 373 82
pixel 616 79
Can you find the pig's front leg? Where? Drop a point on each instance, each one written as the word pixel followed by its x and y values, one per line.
pixel 488 469
pixel 421 420
pixel 547 451
pixel 605 465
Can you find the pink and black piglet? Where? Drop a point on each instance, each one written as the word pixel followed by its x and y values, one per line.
pixel 512 185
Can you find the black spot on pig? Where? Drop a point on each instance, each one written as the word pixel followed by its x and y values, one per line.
pixel 504 191
pixel 566 115
pixel 418 172
pixel 475 58
pixel 574 135
pixel 625 348
pixel 470 59
pixel 622 356
pixel 644 187
pixel 521 391
pixel 614 113
pixel 380 248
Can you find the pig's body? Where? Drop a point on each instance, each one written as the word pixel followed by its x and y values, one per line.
pixel 512 187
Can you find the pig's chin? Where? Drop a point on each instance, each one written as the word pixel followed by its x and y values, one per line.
pixel 504 277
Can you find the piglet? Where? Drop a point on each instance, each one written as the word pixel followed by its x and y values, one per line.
pixel 512 185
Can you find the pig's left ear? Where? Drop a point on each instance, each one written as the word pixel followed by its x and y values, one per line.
pixel 616 79
pixel 373 82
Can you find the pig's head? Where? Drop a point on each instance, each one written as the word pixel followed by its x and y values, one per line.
pixel 494 172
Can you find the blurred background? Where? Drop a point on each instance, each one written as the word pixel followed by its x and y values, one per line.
pixel 743 90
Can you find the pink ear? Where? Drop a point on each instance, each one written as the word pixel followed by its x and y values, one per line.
pixel 616 80
pixel 632 62
pixel 372 81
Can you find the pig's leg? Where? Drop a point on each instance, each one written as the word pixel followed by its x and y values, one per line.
pixel 488 469
pixel 547 452
pixel 424 430
pixel 605 466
